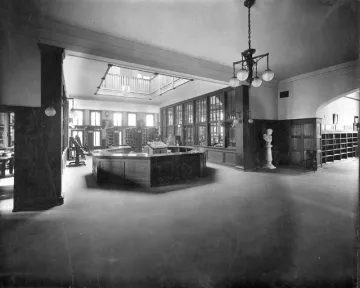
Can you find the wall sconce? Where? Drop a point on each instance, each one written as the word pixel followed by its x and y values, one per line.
pixel 250 120
pixel 50 111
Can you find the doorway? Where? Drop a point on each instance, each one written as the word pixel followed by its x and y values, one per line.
pixel 7 152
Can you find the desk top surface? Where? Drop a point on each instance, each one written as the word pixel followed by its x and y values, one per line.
pixel 108 155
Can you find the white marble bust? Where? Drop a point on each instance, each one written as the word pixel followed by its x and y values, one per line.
pixel 268 156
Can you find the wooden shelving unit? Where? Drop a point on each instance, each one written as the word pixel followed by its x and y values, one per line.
pixel 336 146
pixel 147 135
pixel 2 130
pixel 109 137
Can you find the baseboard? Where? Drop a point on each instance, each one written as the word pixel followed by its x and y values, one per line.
pixel 37 204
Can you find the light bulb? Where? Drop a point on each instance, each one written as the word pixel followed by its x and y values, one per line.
pixel 256 82
pixel 243 74
pixel 234 82
pixel 268 75
pixel 50 111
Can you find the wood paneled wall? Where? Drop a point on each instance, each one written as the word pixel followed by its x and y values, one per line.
pixel 38 141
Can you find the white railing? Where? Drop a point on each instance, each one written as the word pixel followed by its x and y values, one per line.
pixel 126 84
pixel 158 85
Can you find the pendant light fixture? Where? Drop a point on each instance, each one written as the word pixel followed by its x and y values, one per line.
pixel 248 61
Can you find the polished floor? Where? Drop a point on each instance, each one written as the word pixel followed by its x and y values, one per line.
pixel 228 229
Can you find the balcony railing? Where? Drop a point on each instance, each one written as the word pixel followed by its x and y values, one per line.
pixel 126 84
pixel 115 84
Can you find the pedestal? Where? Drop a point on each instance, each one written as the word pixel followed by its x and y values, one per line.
pixel 268 158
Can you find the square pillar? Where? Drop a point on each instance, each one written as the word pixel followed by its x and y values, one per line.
pixel 244 130
pixel 38 141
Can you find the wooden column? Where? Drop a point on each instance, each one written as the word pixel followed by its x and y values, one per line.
pixel 244 130
pixel 38 141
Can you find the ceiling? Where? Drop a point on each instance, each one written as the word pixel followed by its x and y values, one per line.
pixel 300 35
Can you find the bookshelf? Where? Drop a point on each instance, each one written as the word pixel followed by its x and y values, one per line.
pixel 147 135
pixel 2 130
pixel 336 146
pixel 109 137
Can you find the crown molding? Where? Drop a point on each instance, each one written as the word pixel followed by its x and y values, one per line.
pixel 343 67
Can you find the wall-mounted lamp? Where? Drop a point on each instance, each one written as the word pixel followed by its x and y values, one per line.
pixel 50 111
pixel 250 120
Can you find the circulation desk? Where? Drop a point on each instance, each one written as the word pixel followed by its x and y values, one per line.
pixel 149 170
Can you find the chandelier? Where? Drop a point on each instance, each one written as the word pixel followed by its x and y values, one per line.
pixel 249 62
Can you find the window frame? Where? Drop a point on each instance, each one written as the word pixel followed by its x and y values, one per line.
pixel 128 122
pixel 153 120
pixel 121 121
pixel 169 126
pixel 95 132
pixel 97 112
pixel 81 111
pixel 217 119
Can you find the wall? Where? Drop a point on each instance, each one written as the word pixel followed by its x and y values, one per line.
pixel 263 102
pixel 346 109
pixel 19 70
pixel 114 106
pixel 140 109
pixel 308 92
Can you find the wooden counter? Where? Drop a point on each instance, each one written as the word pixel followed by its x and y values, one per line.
pixel 149 170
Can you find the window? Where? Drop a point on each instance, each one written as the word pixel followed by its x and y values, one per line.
pixel 201 135
pixel 170 122
pixel 189 136
pixel 170 116
pixel 189 113
pixel 163 124
pixel 149 120
pixel 216 108
pixel 230 114
pixel 79 118
pixel 230 106
pixel 216 134
pixel 131 119
pixel 201 111
pixel 97 138
pixel 95 118
pixel 117 119
pixel 178 115
pixel 79 133
pixel 216 120
pixel 120 138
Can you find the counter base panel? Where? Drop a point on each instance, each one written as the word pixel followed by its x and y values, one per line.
pixel 151 172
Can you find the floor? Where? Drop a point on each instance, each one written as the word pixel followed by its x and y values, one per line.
pixel 7 186
pixel 228 229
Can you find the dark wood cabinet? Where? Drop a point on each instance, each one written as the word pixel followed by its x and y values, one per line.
pixel 305 135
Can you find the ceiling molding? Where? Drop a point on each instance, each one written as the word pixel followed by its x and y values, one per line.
pixel 343 67
pixel 102 45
